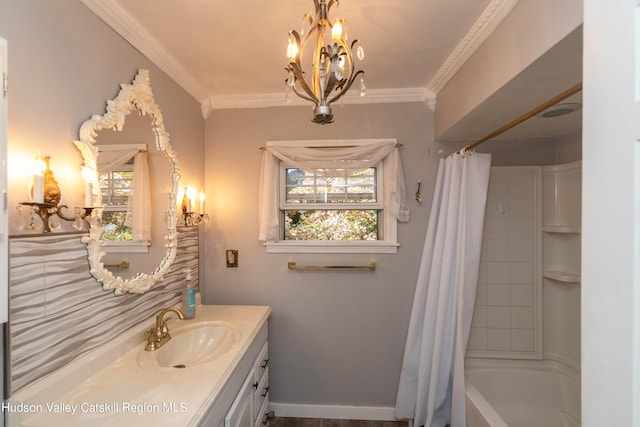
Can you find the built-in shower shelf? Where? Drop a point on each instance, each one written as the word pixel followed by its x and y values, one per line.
pixel 563 229
pixel 562 276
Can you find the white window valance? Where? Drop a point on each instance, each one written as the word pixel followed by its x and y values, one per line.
pixel 314 155
pixel 111 159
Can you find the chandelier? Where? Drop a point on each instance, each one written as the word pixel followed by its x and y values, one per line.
pixel 332 68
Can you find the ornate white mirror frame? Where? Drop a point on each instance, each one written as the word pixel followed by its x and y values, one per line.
pixel 134 97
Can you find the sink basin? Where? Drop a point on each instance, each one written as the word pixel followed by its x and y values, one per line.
pixel 191 345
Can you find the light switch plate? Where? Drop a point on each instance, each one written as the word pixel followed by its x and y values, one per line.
pixel 232 258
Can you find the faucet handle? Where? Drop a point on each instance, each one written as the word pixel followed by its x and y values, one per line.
pixel 165 329
pixel 152 334
pixel 152 339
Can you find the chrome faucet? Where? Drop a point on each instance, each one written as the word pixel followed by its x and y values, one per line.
pixel 159 335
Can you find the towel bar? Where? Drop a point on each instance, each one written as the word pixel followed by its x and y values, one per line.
pixel 121 266
pixel 371 267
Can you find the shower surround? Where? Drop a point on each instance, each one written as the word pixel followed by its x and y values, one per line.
pixel 527 312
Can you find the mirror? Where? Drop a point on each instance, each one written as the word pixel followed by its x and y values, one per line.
pixel 133 218
pixel 135 98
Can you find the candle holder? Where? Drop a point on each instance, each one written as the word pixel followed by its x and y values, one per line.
pixel 50 215
pixel 192 219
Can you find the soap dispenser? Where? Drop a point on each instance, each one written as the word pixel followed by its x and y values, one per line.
pixel 189 297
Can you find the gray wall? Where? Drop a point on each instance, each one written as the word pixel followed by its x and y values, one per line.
pixel 64 63
pixel 335 338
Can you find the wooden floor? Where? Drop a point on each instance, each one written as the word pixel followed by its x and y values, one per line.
pixel 314 422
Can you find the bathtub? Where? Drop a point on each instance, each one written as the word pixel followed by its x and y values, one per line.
pixel 501 393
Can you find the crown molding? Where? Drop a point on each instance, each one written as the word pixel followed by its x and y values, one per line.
pixel 374 96
pixel 495 12
pixel 124 24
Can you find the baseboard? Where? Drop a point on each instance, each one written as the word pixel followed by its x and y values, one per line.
pixel 371 413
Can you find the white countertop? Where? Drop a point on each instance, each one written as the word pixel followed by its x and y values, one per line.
pixel 108 387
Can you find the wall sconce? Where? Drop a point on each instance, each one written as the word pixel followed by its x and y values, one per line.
pixel 46 210
pixel 189 217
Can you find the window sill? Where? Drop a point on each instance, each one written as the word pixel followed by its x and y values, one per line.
pixel 331 247
pixel 128 247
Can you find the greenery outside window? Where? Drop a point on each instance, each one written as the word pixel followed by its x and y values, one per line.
pixel 115 188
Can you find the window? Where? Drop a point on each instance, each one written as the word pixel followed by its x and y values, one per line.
pixel 330 204
pixel 331 196
pixel 115 188
pixel 123 175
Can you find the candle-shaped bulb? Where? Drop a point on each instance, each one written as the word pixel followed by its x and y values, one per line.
pixel 190 193
pixel 37 189
pixel 202 202
pixel 292 49
pixel 88 176
pixel 336 30
pixel 40 165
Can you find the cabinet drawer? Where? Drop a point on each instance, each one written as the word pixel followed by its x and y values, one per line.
pixel 262 420
pixel 262 361
pixel 261 392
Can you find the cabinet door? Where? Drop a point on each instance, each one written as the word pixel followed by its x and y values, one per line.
pixel 263 414
pixel 241 413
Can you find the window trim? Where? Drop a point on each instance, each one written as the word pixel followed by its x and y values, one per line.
pixel 377 205
pixel 389 225
pixel 332 247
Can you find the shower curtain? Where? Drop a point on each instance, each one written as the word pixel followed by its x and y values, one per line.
pixel 431 389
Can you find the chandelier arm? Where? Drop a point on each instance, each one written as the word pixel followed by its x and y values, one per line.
pixel 297 37
pixel 297 72
pixel 302 43
pixel 346 88
pixel 349 52
pixel 313 28
pixel 303 96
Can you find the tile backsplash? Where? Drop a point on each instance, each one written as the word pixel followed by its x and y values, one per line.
pixel 58 311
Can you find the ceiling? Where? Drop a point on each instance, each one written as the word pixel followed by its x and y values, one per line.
pixel 230 54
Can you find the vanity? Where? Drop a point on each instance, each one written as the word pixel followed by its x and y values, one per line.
pixel 213 372
pixel 78 354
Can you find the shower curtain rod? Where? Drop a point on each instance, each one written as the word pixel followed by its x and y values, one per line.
pixel 540 108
